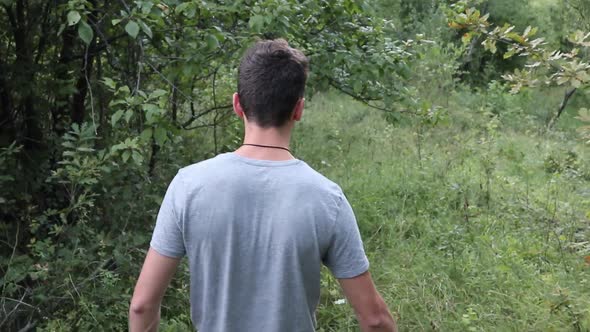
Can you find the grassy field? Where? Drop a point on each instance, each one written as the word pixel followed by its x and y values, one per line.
pixel 486 229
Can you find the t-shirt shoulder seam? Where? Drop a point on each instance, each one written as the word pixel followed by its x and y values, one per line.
pixel 326 182
pixel 180 176
pixel 341 199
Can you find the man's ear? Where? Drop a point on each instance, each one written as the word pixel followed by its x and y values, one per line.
pixel 298 110
pixel 237 106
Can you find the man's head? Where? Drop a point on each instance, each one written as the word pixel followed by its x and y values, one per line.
pixel 271 83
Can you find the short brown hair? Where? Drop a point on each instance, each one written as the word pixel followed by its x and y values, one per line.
pixel 271 79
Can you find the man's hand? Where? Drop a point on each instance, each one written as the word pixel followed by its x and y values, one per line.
pixel 370 309
pixel 144 311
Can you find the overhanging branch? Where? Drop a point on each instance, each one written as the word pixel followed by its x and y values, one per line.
pixel 566 97
pixel 364 100
pixel 197 116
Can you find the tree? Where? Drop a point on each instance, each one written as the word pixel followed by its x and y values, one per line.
pixel 544 65
pixel 96 97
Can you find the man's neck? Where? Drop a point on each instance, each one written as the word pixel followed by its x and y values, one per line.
pixel 274 138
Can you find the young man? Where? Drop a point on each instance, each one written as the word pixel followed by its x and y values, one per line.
pixel 257 224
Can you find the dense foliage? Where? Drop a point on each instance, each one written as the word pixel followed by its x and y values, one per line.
pixel 98 100
pixel 474 214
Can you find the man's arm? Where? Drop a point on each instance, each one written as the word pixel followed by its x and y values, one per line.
pixel 370 309
pixel 156 273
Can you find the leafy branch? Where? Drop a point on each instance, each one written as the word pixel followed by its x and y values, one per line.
pixel 545 66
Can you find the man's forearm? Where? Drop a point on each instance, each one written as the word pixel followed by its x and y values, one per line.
pixel 379 321
pixel 144 319
pixel 156 273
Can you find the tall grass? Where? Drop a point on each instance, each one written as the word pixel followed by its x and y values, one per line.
pixel 488 232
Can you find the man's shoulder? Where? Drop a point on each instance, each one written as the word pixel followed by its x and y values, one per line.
pixel 225 167
pixel 207 164
pixel 194 175
pixel 320 182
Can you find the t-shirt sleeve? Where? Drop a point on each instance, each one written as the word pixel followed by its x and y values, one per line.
pixel 345 256
pixel 167 238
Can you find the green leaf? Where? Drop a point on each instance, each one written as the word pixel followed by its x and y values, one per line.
pixel 212 42
pixel 466 39
pixel 116 21
pixel 128 115
pixel 510 53
pixel 126 154
pixel 132 29
pixel 490 45
pixel 188 8
pixel 516 37
pixel 157 93
pixel 146 29
pixel 160 136
pixel 562 80
pixel 109 83
pixel 527 31
pixel 146 6
pixel 73 18
pixel 137 157
pixel 575 83
pixel 85 32
pixel 117 147
pixel 146 134
pixel 116 117
pixel 182 7
pixel 583 76
pixel 124 89
pixel 151 113
pixel 256 22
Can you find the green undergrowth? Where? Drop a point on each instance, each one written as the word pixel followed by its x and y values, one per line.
pixel 487 231
pixel 479 223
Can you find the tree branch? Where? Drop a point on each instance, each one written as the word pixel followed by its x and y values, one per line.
pixel 203 113
pixel 566 97
pixel 95 48
pixel 208 125
pixel 366 101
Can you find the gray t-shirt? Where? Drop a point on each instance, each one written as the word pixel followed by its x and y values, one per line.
pixel 256 233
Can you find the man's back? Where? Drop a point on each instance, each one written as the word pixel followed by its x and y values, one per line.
pixel 256 233
pixel 257 224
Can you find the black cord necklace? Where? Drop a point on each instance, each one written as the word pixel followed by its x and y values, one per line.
pixel 268 146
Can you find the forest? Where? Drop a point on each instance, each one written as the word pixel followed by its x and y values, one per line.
pixel 458 129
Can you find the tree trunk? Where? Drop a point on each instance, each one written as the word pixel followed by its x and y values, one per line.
pixel 59 110
pixel 7 129
pixel 82 85
pixel 31 133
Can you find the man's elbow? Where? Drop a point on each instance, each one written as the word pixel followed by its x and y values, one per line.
pixel 137 309
pixel 144 316
pixel 140 307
